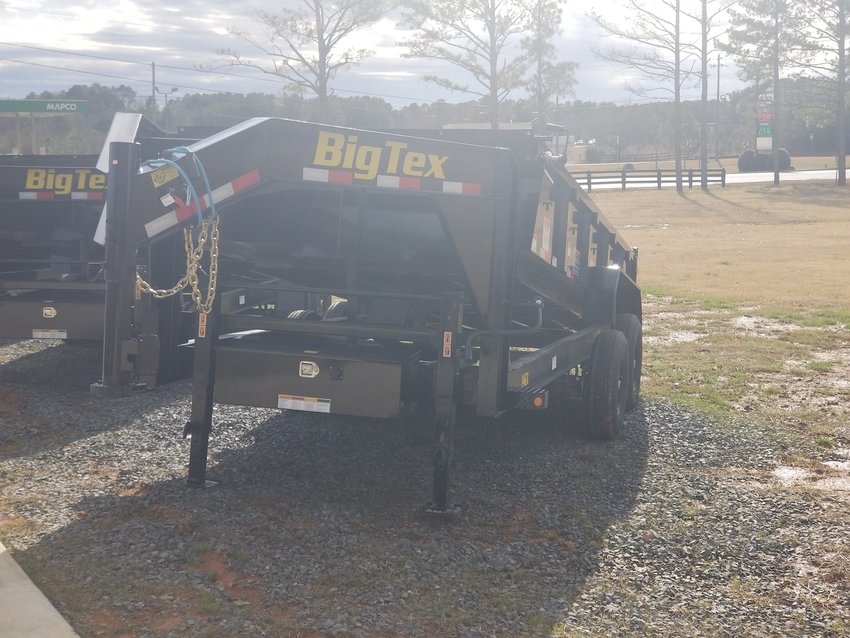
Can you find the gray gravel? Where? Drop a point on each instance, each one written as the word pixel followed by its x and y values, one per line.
pixel 316 527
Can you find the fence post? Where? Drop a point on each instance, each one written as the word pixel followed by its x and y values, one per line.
pixel 723 177
pixel 623 179
pixel 588 181
pixel 659 178
pixel 690 178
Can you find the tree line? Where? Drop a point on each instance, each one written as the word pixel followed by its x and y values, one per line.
pixel 670 44
pixel 793 52
pixel 610 132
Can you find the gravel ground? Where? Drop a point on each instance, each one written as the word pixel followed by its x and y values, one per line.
pixel 316 527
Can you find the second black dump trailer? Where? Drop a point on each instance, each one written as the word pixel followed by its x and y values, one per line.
pixel 377 274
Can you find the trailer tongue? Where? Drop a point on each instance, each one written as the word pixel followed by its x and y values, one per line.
pixel 376 274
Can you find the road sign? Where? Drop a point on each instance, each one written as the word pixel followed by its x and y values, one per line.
pixel 43 106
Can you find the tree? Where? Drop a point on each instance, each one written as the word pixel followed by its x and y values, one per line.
pixel 828 33
pixel 305 45
pixel 656 51
pixel 765 40
pixel 548 78
pixel 476 36
pixel 706 20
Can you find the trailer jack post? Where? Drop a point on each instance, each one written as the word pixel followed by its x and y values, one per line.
pixel 203 384
pixel 446 383
pixel 120 273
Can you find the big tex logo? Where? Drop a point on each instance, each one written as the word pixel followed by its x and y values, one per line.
pixel 64 182
pixel 341 151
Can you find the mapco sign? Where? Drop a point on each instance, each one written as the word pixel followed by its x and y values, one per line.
pixel 43 106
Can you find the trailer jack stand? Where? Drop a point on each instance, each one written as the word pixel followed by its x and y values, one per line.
pixel 446 387
pixel 449 512
pixel 199 440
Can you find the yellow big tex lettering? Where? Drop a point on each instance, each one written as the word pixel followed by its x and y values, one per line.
pixel 63 183
pixel 336 150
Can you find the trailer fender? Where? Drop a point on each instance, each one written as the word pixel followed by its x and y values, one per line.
pixel 610 292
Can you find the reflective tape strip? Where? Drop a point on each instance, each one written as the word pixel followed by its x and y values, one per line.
pixel 315 175
pixel 329 177
pixel 399 182
pixel 40 195
pixel 340 177
pixel 462 188
pixel 395 181
pixel 179 215
pixel 232 188
pixel 87 195
pixel 50 195
pixel 161 224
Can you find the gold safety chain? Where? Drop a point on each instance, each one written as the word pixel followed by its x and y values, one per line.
pixel 194 254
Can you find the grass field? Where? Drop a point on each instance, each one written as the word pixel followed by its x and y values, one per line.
pixel 747 302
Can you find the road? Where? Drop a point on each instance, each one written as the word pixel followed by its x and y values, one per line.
pixel 787 176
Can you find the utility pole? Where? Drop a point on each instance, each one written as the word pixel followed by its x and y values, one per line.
pixel 717 117
pixel 703 103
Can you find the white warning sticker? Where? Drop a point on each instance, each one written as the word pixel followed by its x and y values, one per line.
pixel 304 404
pixel 43 333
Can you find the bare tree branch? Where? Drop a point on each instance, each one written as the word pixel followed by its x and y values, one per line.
pixel 303 45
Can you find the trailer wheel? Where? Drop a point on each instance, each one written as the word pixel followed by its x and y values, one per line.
pixel 304 315
pixel 629 325
pixel 336 310
pixel 608 387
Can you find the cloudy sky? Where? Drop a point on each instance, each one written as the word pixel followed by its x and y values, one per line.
pixel 54 44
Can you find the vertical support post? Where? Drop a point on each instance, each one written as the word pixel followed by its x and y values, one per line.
pixel 589 181
pixel 583 243
pixel 451 321
pixel 632 265
pixel 723 177
pixel 604 239
pixel 659 178
pixel 203 384
pixel 119 269
pixel 166 257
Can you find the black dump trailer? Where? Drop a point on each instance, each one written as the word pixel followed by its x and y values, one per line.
pixel 52 278
pixel 378 274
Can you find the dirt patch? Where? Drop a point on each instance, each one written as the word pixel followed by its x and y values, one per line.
pixel 827 479
pixel 762 326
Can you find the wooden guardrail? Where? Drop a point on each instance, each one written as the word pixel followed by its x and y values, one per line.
pixel 658 177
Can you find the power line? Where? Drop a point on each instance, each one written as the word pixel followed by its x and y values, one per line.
pixel 106 75
pixel 185 69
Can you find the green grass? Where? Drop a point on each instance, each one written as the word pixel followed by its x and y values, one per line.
pixel 820 366
pixel 824 441
pixel 727 371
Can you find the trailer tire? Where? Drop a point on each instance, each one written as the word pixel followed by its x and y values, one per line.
pixel 608 386
pixel 304 315
pixel 630 326
pixel 336 310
